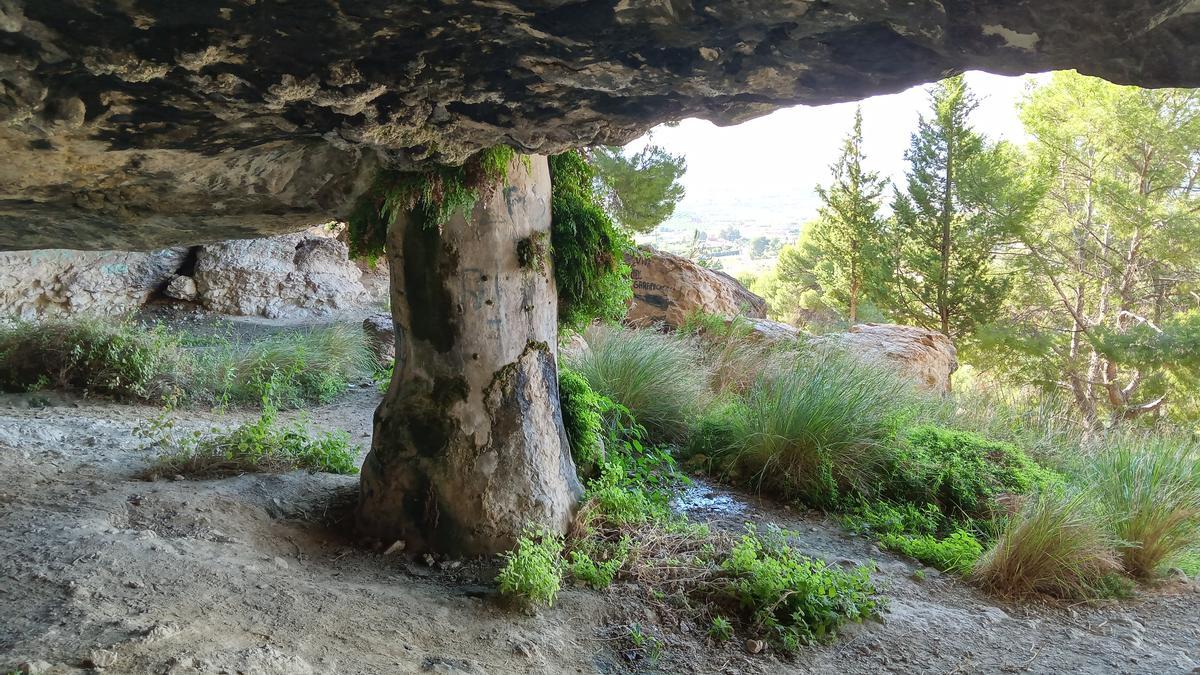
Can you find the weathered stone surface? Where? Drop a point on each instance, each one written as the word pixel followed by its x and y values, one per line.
pixel 61 283
pixel 142 124
pixel 381 337
pixel 181 287
pixel 667 288
pixel 469 447
pixel 926 357
pixel 288 275
pixel 766 330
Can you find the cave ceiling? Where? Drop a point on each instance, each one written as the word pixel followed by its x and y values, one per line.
pixel 142 123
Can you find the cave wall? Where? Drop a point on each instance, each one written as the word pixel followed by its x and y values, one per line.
pixel 137 124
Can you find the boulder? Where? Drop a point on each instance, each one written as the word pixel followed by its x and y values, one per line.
pixel 668 288
pixel 61 283
pixel 181 287
pixel 380 330
pixel 287 276
pixel 926 357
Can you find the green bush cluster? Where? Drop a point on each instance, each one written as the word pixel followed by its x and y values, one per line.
pixel 583 418
pixel 956 552
pixel 962 472
pixel 93 356
pixel 589 250
pixel 262 445
pixel 126 360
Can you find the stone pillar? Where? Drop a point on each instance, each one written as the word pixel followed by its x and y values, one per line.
pixel 469 446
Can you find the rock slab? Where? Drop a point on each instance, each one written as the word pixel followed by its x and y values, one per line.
pixel 59 283
pixel 286 276
pixel 926 357
pixel 668 288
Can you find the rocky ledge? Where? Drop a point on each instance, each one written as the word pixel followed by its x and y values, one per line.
pixel 137 124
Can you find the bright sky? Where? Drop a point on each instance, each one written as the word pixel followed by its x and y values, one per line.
pixel 779 158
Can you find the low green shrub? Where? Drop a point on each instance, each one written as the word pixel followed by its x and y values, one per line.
pixel 1149 490
pixel 720 630
pixel 794 599
pixel 653 375
pixel 94 356
pixel 596 564
pixel 955 553
pixel 960 471
pixel 259 446
pixel 533 570
pixel 1057 544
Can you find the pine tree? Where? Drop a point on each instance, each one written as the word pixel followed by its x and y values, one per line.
pixel 850 233
pixel 957 210
pixel 641 189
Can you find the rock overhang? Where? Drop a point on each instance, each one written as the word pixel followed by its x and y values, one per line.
pixel 139 124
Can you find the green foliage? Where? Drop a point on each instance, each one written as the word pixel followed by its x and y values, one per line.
pixel 643 188
pixel 533 571
pixel 812 429
pixel 294 368
pixel 94 356
pixel 795 599
pixel 259 446
pixel 582 413
pixel 533 252
pixel 962 472
pixel 1149 490
pixel 592 277
pixel 720 629
pixel 850 233
pixel 383 377
pixel 1057 544
pixel 431 195
pixel 599 565
pixel 655 376
pixel 956 553
pixel 961 202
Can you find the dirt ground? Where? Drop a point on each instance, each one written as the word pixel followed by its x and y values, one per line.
pixel 259 574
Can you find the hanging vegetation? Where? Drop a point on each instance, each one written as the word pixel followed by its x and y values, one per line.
pixel 432 195
pixel 589 249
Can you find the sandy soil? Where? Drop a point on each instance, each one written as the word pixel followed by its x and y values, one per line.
pixel 259 574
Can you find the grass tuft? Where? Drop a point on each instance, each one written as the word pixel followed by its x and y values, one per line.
pixel 1057 544
pixel 1149 489
pixel 656 377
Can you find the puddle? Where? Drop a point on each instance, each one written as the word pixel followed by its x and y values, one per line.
pixel 700 498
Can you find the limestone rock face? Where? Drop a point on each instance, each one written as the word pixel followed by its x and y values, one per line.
pixel 137 125
pixel 381 337
pixel 289 275
pixel 667 288
pixel 927 357
pixel 766 330
pixel 60 283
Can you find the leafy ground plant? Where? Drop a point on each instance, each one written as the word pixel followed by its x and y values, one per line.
pixel 533 570
pixel 259 446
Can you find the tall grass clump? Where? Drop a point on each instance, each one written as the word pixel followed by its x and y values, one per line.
pixel 812 430
pixel 313 365
pixel 108 357
pixel 1149 490
pixel 657 377
pixel 1057 543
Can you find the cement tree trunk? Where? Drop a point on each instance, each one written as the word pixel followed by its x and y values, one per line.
pixel 469 446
